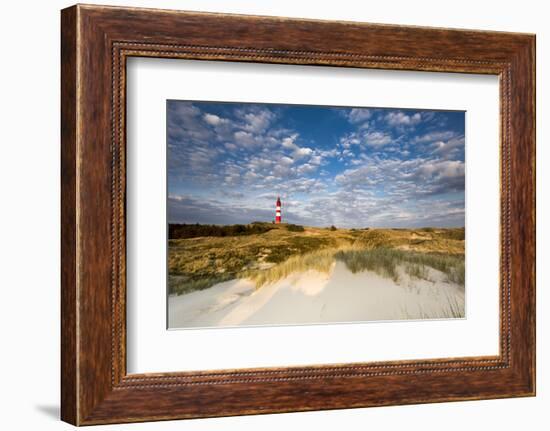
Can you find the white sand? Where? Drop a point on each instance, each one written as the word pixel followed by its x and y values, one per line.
pixel 312 297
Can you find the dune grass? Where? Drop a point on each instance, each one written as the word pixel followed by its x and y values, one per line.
pixel 321 261
pixel 385 261
pixel 380 260
pixel 452 308
pixel 180 285
pixel 419 272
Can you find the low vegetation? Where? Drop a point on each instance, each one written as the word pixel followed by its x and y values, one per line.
pixel 386 262
pixel 266 252
pixel 321 261
pixel 295 228
pixel 183 231
pixel 180 284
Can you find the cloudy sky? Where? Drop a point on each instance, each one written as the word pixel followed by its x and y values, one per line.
pixel 348 167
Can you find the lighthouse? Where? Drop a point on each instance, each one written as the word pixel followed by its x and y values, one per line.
pixel 278 211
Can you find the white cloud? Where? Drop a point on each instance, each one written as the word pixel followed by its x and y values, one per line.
pixel 288 142
pixel 443 169
pixel 302 152
pixel 350 139
pixel 184 124
pixel 402 119
pixel 316 160
pixel 435 136
pixel 306 168
pixel 286 160
pixel 328 153
pixel 251 175
pixel 405 178
pixel 449 148
pixel 359 115
pixel 365 138
pixel 214 120
pixel 377 139
pixel 244 139
pixel 257 120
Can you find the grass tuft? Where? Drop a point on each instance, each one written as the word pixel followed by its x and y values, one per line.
pixel 384 261
pixel 321 261
pixel 181 284
pixel 381 260
pixel 417 271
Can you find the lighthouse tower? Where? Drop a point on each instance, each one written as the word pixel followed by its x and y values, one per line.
pixel 278 211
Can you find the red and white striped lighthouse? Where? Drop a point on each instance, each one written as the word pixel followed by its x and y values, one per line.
pixel 278 211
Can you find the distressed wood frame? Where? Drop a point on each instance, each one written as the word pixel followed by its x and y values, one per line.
pixel 95 43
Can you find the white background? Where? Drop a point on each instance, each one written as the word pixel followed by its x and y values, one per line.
pixel 29 225
pixel 151 348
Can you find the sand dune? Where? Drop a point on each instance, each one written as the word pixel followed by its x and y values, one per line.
pixel 313 297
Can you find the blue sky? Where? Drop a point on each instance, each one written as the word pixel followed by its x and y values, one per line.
pixel 348 167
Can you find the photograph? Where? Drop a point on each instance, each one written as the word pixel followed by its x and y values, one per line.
pixel 275 210
pixel 284 214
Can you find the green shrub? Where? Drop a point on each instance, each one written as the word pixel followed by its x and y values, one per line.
pixel 295 228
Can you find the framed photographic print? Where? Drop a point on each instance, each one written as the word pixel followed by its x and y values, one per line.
pixel 267 215
pixel 294 214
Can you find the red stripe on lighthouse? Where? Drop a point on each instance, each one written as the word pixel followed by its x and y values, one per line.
pixel 278 211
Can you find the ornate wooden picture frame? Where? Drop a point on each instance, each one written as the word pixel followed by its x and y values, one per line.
pixel 96 41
